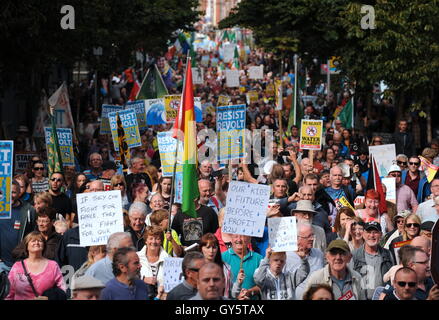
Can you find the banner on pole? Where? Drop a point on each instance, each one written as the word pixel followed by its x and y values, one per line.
pixel 167 146
pixel 256 72
pixel 282 234
pixel 129 124
pixel 6 162
pixel 22 159
pixel 172 103
pixel 311 134
pixel 232 78
pixel 155 111
pixel 105 124
pixel 65 140
pixel 384 156
pixel 139 107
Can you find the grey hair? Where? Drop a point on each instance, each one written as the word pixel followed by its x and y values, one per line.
pixel 401 155
pixel 137 206
pixel 134 159
pixel 302 225
pixel 189 260
pixel 115 239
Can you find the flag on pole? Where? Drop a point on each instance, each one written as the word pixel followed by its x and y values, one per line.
pixel 181 44
pixel 429 169
pixel 236 58
pixel 134 91
pixel 185 131
pixel 374 183
pixel 54 160
pixel 152 86
pixel 346 115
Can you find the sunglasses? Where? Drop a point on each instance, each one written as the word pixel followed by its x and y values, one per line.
pixel 400 221
pixel 410 225
pixel 403 284
pixel 56 179
pixel 402 163
pixel 39 168
pixel 395 175
pixel 119 185
pixel 194 269
pixel 414 163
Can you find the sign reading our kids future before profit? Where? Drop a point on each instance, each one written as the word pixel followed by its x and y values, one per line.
pixel 311 134
pixel 6 160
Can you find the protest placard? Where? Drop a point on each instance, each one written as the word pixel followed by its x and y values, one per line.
pixel 359 201
pixel 205 61
pixel 384 156
pixel 139 107
pixel 282 234
pixel 278 86
pixel 22 159
pixel 252 96
pixel 155 111
pixel 65 144
pixel 229 52
pixel 198 109
pixel 247 205
pixel 61 103
pixel 178 196
pixel 6 162
pixel 391 189
pixel 99 215
pixel 230 125
pixel 172 273
pixel 223 100
pixel 105 124
pixel 232 78
pixel 172 102
pixel 197 76
pixel 256 72
pixel 167 145
pixel 270 89
pixel 128 119
pixel 311 134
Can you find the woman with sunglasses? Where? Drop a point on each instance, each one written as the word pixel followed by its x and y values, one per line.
pixel 39 182
pixel 398 225
pixel 377 141
pixel 118 183
pixel 412 229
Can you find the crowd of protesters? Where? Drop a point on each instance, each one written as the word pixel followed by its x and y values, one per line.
pixel 344 252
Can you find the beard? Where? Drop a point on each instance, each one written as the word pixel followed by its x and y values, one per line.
pixel 134 275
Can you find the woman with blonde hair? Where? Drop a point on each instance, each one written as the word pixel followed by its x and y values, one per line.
pixel 95 253
pixel 118 183
pixel 42 200
pixel 412 229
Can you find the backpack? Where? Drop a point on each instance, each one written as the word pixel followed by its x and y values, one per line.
pixel 4 285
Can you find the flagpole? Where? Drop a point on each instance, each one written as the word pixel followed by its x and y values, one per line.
pixel 296 78
pixel 353 109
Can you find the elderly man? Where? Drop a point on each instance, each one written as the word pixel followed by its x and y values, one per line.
pixel 126 283
pixel 423 243
pixel 337 190
pixel 371 260
pixel 405 197
pixel 345 282
pixel 205 170
pixel 211 283
pixel 206 195
pixel 428 210
pixel 304 212
pixel 136 228
pixel 243 263
pixel 103 269
pixel 305 260
pixel 86 288
pixel 95 165
pixel 137 173
pixel 192 262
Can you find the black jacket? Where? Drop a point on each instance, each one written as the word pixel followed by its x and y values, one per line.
pixel 404 143
pixel 69 252
pixel 138 243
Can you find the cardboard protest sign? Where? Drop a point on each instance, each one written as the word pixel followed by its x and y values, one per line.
pixel 172 102
pixel 223 100
pixel 99 216
pixel 230 125
pixel 282 234
pixel 155 111
pixel 139 107
pixel 256 72
pixel 65 144
pixel 311 134
pixel 229 52
pixel 105 124
pixel 279 100
pixel 247 205
pixel 6 162
pixel 232 78
pixel 197 76
pixel 167 146
pixel 252 96
pixel 22 159
pixel 391 189
pixel 130 127
pixel 172 273
pixel 384 156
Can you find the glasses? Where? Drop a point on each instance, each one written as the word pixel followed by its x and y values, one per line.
pixel 56 180
pixel 414 163
pixel 194 269
pixel 401 163
pixel 120 184
pixel 414 225
pixel 39 168
pixel 395 175
pixel 400 221
pixel 403 284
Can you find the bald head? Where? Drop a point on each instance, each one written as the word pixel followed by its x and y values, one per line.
pixel 306 193
pixel 96 186
pixel 423 243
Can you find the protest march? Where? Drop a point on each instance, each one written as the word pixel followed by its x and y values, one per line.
pixel 211 173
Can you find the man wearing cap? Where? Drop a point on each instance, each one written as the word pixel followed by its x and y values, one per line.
pixel 371 260
pixel 426 228
pixel 405 197
pixel 344 281
pixel 109 169
pixel 86 288
pixel 304 212
pixel 95 164
pixel 428 210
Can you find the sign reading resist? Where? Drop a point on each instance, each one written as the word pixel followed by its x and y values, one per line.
pixel 247 205
pixel 172 273
pixel 282 234
pixel 99 216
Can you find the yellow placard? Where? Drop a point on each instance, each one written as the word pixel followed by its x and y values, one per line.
pixel 311 134
pixel 269 90
pixel 223 100
pixel 346 203
pixel 172 102
pixel 252 96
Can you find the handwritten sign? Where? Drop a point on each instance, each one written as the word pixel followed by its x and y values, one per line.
pixel 390 184
pixel 139 107
pixel 384 156
pixel 229 52
pixel 172 102
pixel 172 273
pixel 155 111
pixel 256 72
pixel 282 234
pixel 246 208
pixel 99 216
pixel 130 127
pixel 232 78
pixel 311 134
pixel 230 126
pixel 65 144
pixel 105 124
pixel 167 146
pixel 22 160
pixel 6 152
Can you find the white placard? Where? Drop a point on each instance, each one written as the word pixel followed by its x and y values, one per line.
pixel 391 189
pixel 384 156
pixel 247 205
pixel 99 216
pixel 256 72
pixel 282 234
pixel 172 273
pixel 197 76
pixel 229 52
pixel 232 78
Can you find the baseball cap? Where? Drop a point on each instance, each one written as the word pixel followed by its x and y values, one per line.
pixel 86 282
pixel 427 226
pixel 394 168
pixel 338 244
pixel 372 225
pixel 107 165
